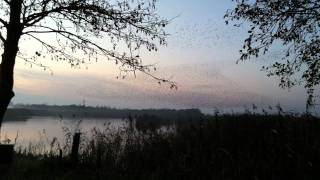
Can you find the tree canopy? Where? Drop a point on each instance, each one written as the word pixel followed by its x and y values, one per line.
pixel 78 26
pixel 78 31
pixel 295 24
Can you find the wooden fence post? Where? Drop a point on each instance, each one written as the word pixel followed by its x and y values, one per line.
pixel 6 153
pixel 99 154
pixel 75 148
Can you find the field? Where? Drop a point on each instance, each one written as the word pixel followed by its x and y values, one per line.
pixel 239 146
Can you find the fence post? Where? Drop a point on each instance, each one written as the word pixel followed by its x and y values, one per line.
pixel 75 148
pixel 99 155
pixel 6 153
pixel 60 155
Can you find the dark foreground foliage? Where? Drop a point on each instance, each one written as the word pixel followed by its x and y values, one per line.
pixel 251 147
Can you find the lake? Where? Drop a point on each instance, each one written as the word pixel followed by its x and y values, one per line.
pixel 37 129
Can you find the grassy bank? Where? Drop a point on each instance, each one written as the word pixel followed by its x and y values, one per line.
pixel 248 146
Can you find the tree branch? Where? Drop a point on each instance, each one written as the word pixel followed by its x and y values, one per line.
pixel 136 26
pixel 6 1
pixel 132 62
pixel 2 38
pixel 5 23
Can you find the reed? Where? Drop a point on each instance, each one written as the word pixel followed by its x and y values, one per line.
pixel 224 146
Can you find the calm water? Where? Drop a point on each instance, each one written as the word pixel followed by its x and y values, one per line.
pixel 46 128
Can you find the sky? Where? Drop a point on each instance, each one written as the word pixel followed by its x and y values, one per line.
pixel 200 57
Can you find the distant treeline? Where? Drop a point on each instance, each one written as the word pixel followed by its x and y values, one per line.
pixel 22 111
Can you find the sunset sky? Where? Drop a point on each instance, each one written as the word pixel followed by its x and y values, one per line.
pixel 201 57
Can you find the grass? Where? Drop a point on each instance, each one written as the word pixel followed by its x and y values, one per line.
pixel 243 146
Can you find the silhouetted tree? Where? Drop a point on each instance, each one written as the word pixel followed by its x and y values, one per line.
pixel 294 23
pixel 80 29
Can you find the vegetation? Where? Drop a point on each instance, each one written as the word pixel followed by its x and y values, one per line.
pixel 76 32
pixel 293 23
pixel 246 146
pixel 23 112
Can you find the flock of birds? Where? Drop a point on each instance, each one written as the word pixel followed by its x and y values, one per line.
pixel 203 34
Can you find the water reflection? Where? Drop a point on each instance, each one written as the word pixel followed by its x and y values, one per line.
pixel 35 128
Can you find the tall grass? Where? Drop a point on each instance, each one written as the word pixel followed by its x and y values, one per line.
pixel 247 146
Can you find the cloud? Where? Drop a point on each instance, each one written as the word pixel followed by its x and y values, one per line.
pixel 200 85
